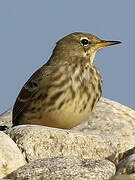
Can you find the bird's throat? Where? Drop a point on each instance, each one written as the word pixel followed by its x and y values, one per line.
pixel 92 57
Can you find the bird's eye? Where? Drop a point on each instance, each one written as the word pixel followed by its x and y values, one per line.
pixel 84 42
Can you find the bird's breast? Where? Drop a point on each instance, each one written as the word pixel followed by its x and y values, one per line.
pixel 87 85
pixel 70 97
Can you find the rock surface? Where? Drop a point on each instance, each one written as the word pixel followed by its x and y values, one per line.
pixel 38 142
pixel 6 118
pixel 10 156
pixel 124 177
pixel 126 166
pixel 65 169
pixel 109 131
pixel 110 117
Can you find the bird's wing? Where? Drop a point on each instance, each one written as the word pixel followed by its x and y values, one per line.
pixel 27 93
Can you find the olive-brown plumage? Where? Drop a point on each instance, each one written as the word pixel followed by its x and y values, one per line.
pixel 64 91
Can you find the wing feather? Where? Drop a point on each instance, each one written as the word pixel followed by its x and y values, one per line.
pixel 39 80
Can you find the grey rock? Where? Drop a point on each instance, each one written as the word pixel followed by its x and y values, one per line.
pixel 10 156
pixel 126 166
pixel 65 169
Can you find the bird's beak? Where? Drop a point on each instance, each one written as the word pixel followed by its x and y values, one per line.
pixel 104 43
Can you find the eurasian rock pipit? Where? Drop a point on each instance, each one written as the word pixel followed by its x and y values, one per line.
pixel 64 91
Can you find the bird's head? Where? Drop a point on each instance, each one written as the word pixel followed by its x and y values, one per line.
pixel 80 45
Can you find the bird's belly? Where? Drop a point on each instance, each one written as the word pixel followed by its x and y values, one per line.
pixel 65 119
pixel 69 116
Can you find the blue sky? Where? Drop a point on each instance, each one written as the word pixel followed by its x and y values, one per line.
pixel 29 30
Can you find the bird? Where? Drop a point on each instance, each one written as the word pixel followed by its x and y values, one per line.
pixel 65 90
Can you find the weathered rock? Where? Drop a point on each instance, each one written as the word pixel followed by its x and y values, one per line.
pixel 109 130
pixel 38 142
pixel 6 118
pixel 65 169
pixel 126 166
pixel 10 155
pixel 117 157
pixel 124 177
pixel 111 118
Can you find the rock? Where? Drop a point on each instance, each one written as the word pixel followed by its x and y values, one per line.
pixel 124 177
pixel 6 118
pixel 125 162
pixel 117 157
pixel 126 166
pixel 109 133
pixel 38 142
pixel 10 156
pixel 65 169
pixel 110 117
